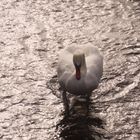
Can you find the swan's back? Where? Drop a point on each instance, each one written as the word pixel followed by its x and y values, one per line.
pixel 94 64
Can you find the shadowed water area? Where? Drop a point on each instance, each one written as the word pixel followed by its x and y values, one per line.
pixel 33 33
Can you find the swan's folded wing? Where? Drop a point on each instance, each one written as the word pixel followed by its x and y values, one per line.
pixel 95 61
pixel 65 63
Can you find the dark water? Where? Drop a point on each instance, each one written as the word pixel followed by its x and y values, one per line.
pixel 81 126
pixel 82 123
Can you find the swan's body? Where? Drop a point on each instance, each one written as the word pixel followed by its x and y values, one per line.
pixel 80 69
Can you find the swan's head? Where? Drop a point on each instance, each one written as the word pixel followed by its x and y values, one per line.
pixel 78 61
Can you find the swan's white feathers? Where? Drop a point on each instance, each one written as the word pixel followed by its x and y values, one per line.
pixel 66 69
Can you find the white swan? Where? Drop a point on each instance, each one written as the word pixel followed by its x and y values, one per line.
pixel 79 70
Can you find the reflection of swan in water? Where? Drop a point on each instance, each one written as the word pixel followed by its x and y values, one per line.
pixel 79 70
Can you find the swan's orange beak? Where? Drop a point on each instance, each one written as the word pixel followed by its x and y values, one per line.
pixel 78 74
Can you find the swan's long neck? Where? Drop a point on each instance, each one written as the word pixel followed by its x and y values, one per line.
pixel 83 69
pixel 80 65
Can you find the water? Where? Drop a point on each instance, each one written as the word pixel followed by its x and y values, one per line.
pixel 32 34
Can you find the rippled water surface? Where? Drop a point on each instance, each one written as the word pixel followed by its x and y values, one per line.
pixel 32 34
